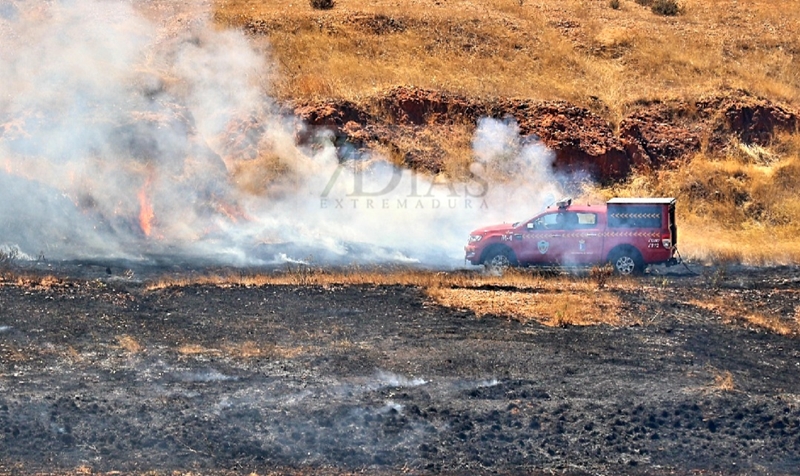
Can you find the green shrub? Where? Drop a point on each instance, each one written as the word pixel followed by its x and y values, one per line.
pixel 322 4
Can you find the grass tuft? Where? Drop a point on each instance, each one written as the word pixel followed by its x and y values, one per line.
pixel 723 382
pixel 665 7
pixel 322 4
pixel 601 274
pixel 129 344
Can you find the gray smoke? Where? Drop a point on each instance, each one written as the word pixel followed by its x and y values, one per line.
pixel 124 137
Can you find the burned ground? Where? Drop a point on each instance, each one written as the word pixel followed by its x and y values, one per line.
pixel 107 375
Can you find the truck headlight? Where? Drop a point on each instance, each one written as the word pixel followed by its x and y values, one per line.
pixel 475 238
pixel 666 243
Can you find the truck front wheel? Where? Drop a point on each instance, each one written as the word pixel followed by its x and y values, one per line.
pixel 627 261
pixel 499 259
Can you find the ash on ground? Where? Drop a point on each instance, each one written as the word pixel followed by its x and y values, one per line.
pixel 107 375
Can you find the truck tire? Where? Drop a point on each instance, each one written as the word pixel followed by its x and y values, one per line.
pixel 627 261
pixel 499 258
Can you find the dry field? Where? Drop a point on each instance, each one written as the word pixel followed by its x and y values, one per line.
pixel 582 51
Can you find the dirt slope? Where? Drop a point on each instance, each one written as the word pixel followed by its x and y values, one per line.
pixel 651 135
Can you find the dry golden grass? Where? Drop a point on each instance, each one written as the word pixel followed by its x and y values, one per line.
pixel 243 350
pixel 770 323
pixel 723 382
pixel 735 312
pixel 739 207
pixel 549 308
pixel 742 207
pixel 129 344
pixel 196 349
pixel 568 49
pixel 252 350
pixel 522 279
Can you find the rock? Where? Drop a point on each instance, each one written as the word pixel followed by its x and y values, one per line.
pixel 659 133
pixel 581 140
pixel 422 106
pixel 752 120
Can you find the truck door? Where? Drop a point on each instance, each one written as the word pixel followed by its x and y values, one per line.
pixel 582 240
pixel 563 238
pixel 543 240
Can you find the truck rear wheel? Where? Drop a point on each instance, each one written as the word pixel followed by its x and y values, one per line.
pixel 627 261
pixel 500 259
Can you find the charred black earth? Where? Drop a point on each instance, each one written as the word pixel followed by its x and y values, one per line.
pixel 105 375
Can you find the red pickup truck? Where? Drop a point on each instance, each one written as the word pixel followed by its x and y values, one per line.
pixel 629 233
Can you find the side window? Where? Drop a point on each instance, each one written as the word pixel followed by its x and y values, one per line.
pixel 586 220
pixel 551 221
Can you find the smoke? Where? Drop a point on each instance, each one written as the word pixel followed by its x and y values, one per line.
pixel 125 138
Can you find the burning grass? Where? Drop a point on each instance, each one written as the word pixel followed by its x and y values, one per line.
pixel 32 280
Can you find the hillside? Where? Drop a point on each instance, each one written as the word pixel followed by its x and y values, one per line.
pixel 582 51
pixel 701 105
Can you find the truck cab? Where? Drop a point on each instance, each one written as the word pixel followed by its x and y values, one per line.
pixel 629 233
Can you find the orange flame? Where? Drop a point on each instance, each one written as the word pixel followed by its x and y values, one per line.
pixel 146 214
pixel 232 211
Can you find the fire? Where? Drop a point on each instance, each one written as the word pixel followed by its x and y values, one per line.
pixel 146 214
pixel 231 210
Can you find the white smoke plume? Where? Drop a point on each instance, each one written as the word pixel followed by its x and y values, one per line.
pixel 124 137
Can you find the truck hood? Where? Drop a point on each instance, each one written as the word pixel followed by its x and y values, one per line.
pixel 502 228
